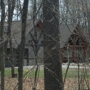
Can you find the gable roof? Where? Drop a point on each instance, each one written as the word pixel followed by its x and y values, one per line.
pixel 67 30
pixel 16 31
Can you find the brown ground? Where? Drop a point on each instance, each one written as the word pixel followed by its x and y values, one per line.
pixel 11 84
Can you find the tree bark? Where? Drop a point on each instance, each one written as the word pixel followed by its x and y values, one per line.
pixel 11 7
pixel 2 60
pixel 22 45
pixel 52 63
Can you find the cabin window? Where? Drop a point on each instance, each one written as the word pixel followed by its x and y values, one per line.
pixel 70 42
pixel 74 38
pixel 68 53
pixel 26 53
pixel 41 42
pixel 5 29
pixel 77 42
pixel 29 41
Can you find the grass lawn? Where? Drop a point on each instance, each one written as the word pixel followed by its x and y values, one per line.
pixel 26 72
pixel 30 73
pixel 71 83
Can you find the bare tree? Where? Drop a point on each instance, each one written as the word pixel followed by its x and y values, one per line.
pixel 11 6
pixel 22 45
pixel 2 60
pixel 52 63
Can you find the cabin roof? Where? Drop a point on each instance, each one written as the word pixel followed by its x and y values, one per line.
pixel 65 32
pixel 16 31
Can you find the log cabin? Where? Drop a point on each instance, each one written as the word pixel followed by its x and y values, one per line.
pixel 74 43
pixel 29 55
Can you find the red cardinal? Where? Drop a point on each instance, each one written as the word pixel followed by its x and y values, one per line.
pixel 40 24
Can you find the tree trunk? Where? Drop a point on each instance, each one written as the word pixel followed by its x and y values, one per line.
pixel 10 15
pixel 22 45
pixel 2 60
pixel 52 63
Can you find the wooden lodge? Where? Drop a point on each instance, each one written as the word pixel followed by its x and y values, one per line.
pixel 74 43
